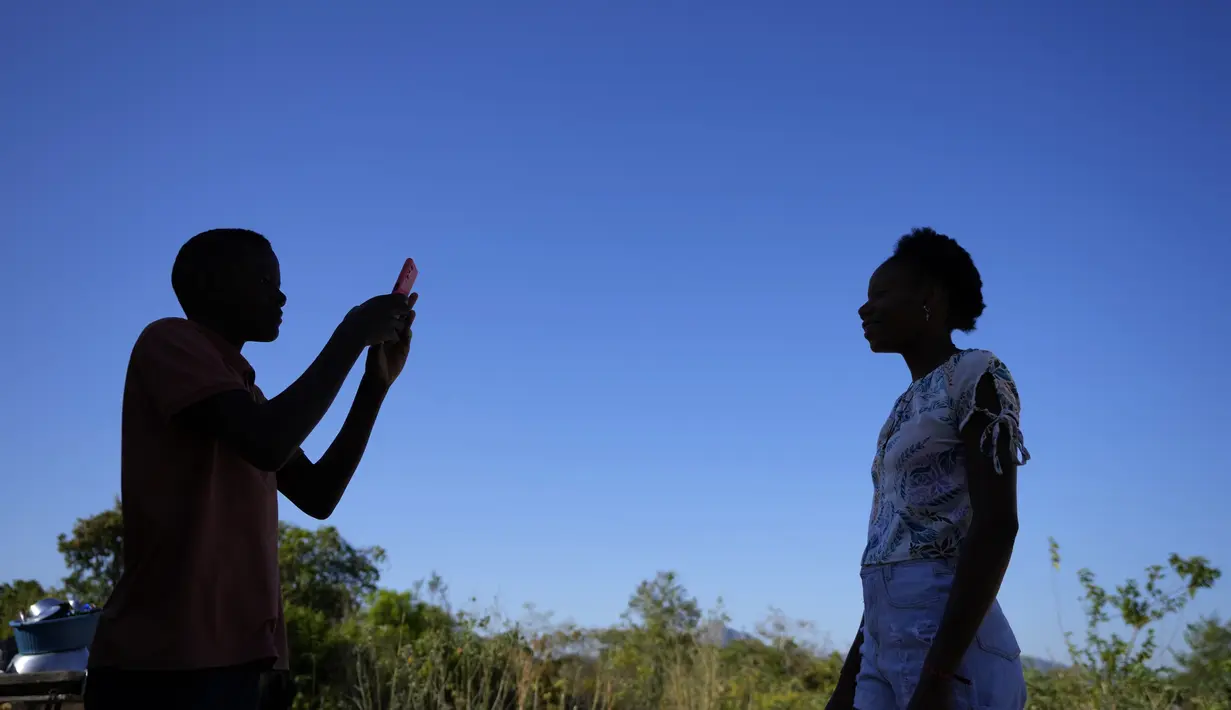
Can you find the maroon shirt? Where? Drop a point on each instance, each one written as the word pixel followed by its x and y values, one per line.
pixel 200 585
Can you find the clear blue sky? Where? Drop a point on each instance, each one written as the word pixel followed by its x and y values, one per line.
pixel 644 230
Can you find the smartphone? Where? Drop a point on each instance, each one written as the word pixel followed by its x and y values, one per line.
pixel 406 279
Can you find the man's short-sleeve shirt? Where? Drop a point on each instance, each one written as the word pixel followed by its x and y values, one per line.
pixel 200 585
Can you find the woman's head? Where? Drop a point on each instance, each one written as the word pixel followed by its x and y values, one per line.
pixel 926 290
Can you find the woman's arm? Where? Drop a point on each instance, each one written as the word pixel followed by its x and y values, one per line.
pixel 844 694
pixel 985 554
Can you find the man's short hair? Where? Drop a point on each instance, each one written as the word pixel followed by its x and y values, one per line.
pixel 206 252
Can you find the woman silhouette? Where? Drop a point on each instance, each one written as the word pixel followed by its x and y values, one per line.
pixel 944 506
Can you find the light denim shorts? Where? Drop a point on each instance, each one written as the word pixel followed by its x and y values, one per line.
pixel 903 603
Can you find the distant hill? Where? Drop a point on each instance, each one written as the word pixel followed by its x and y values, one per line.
pixel 1041 664
pixel 729 635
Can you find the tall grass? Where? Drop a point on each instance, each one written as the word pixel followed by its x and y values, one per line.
pixel 472 666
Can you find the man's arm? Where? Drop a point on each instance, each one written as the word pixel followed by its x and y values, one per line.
pixel 267 434
pixel 316 488
pixel 985 554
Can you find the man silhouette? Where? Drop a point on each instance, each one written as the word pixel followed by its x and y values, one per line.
pixel 195 621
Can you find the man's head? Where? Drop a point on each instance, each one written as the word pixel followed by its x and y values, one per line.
pixel 925 291
pixel 229 279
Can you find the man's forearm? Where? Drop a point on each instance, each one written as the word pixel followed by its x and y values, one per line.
pixel 332 474
pixel 980 570
pixel 288 419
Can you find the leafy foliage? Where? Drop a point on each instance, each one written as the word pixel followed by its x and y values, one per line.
pixel 92 554
pixel 1206 665
pixel 358 646
pixel 16 597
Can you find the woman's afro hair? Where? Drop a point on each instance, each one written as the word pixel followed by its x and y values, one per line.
pixel 939 257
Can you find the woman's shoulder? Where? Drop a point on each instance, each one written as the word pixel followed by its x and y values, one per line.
pixel 969 366
pixel 976 361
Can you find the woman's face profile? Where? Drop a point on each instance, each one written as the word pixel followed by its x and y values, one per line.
pixel 893 315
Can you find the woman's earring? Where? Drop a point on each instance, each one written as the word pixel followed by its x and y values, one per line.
pixel 927 314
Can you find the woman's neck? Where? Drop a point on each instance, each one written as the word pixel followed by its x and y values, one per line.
pixel 928 357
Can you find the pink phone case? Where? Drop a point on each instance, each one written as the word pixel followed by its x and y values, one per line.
pixel 406 279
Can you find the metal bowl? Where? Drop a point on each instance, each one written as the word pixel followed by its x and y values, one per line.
pixel 45 609
pixel 75 660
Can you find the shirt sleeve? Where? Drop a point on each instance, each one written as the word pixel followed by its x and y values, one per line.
pixel 970 369
pixel 178 367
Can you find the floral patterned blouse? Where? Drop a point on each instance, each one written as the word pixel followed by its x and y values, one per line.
pixel 920 503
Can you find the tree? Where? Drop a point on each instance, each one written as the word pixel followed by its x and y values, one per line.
pixel 1116 667
pixel 662 607
pixel 324 582
pixel 661 628
pixel 323 572
pixel 15 598
pixel 1205 668
pixel 92 554
pixel 403 615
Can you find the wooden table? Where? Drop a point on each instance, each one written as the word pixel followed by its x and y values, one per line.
pixel 42 691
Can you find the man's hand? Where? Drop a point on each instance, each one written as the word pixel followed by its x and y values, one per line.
pixel 379 320
pixel 316 488
pixel 933 693
pixel 386 360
